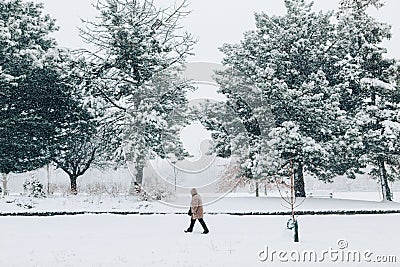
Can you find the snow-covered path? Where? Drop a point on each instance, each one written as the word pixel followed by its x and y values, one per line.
pixel 158 240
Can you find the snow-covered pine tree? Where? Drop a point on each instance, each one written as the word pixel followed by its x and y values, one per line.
pixel 370 94
pixel 85 146
pixel 33 187
pixel 140 52
pixel 87 142
pixel 35 104
pixel 285 65
pixel 237 131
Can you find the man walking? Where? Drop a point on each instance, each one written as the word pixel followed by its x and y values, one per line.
pixel 196 210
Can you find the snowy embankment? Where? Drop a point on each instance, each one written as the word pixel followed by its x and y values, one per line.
pixel 158 240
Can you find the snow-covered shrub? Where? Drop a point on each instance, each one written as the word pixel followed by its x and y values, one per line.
pixel 25 203
pixel 59 189
pixel 231 180
pixel 113 189
pixel 94 189
pixel 155 189
pixel 34 188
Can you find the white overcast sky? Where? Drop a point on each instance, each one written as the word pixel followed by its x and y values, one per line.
pixel 213 22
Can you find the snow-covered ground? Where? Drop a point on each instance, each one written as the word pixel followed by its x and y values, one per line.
pixel 158 240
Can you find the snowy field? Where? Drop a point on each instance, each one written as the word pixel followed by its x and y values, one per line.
pixel 159 240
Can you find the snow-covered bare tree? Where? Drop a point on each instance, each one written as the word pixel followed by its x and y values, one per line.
pixel 140 53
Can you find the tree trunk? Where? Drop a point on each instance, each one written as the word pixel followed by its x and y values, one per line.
pixel 4 182
pixel 139 173
pixel 74 188
pixel 299 182
pixel 48 178
pixel 387 195
pixel 257 190
pixel 137 177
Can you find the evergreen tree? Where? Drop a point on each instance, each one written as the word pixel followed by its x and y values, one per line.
pixel 85 147
pixel 33 187
pixel 238 132
pixel 370 94
pixel 285 64
pixel 35 104
pixel 87 140
pixel 137 69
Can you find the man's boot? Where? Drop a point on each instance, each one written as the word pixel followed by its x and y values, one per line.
pixel 190 229
pixel 202 222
